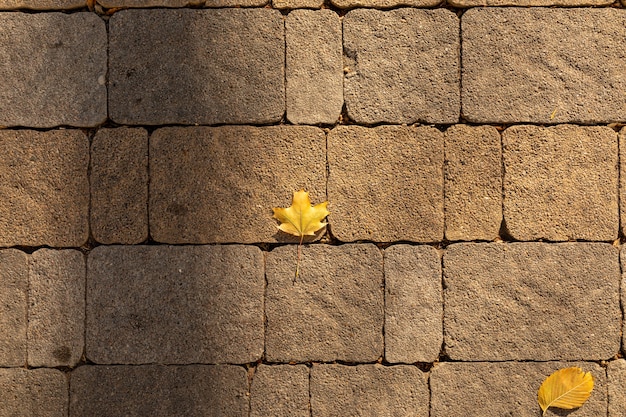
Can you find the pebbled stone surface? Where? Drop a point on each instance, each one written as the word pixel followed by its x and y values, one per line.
pixel 280 391
pixel 13 307
pixel 33 392
pixel 616 373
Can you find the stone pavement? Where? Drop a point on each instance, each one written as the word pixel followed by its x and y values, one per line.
pixel 473 160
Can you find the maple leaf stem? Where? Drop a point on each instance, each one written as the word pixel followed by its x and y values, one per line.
pixel 298 260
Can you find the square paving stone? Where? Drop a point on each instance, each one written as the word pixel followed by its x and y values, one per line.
pixel 531 301
pixel 13 307
pixel 165 66
pixel 561 182
pixel 33 392
pixel 401 66
pixel 44 191
pixel 280 391
pixel 175 304
pixel 616 372
pixel 528 65
pixel 220 184
pixel 332 311
pixel 386 183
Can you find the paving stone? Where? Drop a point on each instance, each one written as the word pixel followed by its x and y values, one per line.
pixel 561 182
pixel 280 391
pixel 383 4
pixel 531 301
pixel 413 304
pixel 332 311
pixel 526 3
pixel 623 295
pixel 234 3
pixel 368 390
pixel 159 391
pixel 616 372
pixel 33 392
pixel 53 68
pixel 473 183
pixel 13 307
pixel 219 184
pixel 44 189
pixel 175 304
pixel 386 183
pixel 622 173
pixel 314 66
pixel 164 66
pixel 402 66
pixel 505 389
pixel 299 4
pixel 119 186
pixel 149 3
pixel 41 4
pixel 526 65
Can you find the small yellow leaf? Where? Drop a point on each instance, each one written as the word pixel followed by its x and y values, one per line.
pixel 301 219
pixel 566 388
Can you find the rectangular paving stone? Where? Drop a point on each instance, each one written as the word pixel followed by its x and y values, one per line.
pixel 119 186
pixel 13 307
pixel 44 192
pixel 165 66
pixel 616 373
pixel 561 182
pixel 413 304
pixel 332 311
pixel 386 183
pixel 527 65
pixel 174 304
pixel 368 390
pixel 149 3
pixel 401 66
pixel 314 67
pixel 41 4
pixel 526 3
pixel 219 184
pixel 622 182
pixel 473 183
pixel 383 4
pixel 280 391
pixel 623 295
pixel 159 391
pixel 53 68
pixel 531 301
pixel 33 392
pixel 299 4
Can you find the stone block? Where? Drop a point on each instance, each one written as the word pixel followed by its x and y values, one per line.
pixel 383 4
pixel 33 392
pixel 280 391
pixel 527 65
pixel 314 66
pixel 41 4
pixel 44 189
pixel 527 3
pixel 622 173
pixel 174 304
pixel 149 3
pixel 298 4
pixel 531 301
pixel 386 183
pixel 119 186
pixel 13 307
pixel 413 304
pixel 402 66
pixel 368 391
pixel 332 311
pixel 623 297
pixel 53 68
pixel 473 183
pixel 616 373
pixel 561 183
pixel 219 184
pixel 159 391
pixel 235 3
pixel 165 67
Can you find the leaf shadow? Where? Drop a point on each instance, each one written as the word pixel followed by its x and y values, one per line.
pixel 282 237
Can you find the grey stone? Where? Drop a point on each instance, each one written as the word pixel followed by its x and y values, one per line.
pixel 174 304
pixel 402 66
pixel 528 65
pixel 33 392
pixel 53 68
pixel 219 184
pixel 386 183
pixel 561 182
pixel 41 4
pixel 298 4
pixel 119 186
pixel 280 391
pixel 44 192
pixel 531 301
pixel 332 311
pixel 165 66
pixel 13 307
pixel 616 372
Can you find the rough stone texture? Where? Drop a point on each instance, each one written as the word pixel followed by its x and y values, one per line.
pixel 623 297
pixel 413 304
pixel 13 307
pixel 622 173
pixel 33 392
pixel 401 66
pixel 165 66
pixel 219 184
pixel 332 311
pixel 368 390
pixel 53 69
pixel 119 186
pixel 527 65
pixel 616 372
pixel 314 67
pixel 280 391
pixel 232 3
pixel 56 313
pixel 159 391
pixel 531 301
pixel 526 3
pixel 175 304
pixel 299 4
pixel 561 183
pixel 44 189
pixel 349 4
pixel 386 184
pixel 41 4
pixel 473 183
pixel 505 389
pixel 149 3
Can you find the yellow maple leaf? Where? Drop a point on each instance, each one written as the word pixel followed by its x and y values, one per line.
pixel 566 388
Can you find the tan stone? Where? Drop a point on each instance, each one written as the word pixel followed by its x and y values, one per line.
pixel 526 3
pixel 235 3
pixel 616 373
pixel 297 4
pixel 280 391
pixel 33 392
pixel 42 4
pixel 149 3
pixel 383 4
pixel 13 307
pixel 622 173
